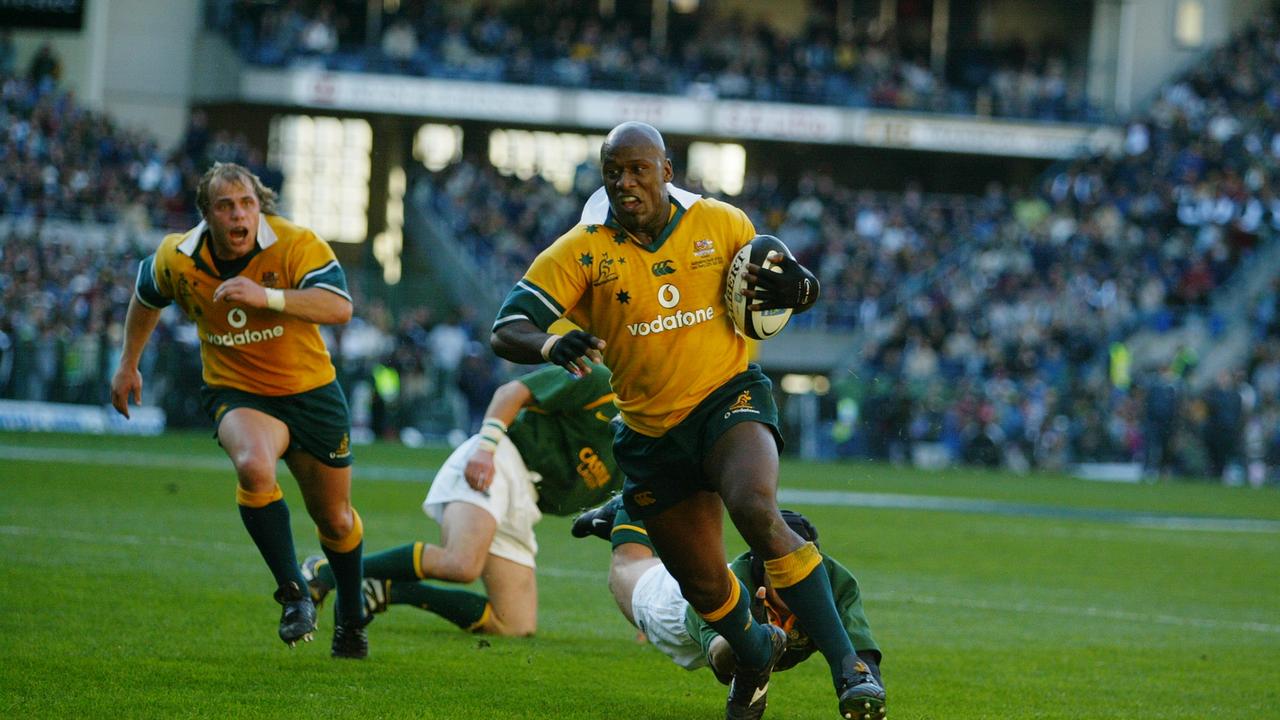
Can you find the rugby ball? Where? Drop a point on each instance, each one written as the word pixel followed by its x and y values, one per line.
pixel 755 324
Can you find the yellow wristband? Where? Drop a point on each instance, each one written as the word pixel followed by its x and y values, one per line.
pixel 275 299
pixel 546 347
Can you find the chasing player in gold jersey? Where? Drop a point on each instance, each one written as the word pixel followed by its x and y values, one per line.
pixel 257 287
pixel 644 275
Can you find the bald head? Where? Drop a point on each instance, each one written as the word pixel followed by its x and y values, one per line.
pixel 633 134
pixel 635 170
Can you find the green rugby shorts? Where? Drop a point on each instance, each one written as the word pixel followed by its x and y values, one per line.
pixel 662 471
pixel 319 420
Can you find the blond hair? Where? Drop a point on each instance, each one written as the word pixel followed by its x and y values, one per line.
pixel 231 172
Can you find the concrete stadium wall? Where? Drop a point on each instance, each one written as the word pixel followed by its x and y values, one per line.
pixel 132 59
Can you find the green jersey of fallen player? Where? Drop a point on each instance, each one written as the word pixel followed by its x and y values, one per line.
pixel 566 436
pixel 844 588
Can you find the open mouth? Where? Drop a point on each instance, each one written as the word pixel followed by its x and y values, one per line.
pixel 629 203
pixel 238 234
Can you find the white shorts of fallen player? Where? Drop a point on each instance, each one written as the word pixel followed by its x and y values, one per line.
pixel 512 499
pixel 659 610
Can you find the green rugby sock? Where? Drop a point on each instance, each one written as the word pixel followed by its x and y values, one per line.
pixel 269 527
pixel 815 610
pixel 625 530
pixel 345 569
pixel 748 638
pixel 397 563
pixel 463 608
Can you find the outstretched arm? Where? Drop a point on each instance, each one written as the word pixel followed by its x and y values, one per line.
pixel 520 341
pixel 139 323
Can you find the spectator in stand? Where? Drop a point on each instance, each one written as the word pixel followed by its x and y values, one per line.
pixel 1224 425
pixel 1161 414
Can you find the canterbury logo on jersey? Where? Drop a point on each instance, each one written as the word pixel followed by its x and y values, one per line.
pixel 246 337
pixel 674 321
pixel 663 267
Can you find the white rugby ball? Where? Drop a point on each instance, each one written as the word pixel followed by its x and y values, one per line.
pixel 755 324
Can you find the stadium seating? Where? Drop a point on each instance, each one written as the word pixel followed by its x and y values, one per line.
pixel 566 44
pixel 991 326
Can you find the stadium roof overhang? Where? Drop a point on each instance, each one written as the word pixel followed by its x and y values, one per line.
pixel 598 110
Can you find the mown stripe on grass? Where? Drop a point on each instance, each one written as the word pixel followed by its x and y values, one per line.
pixel 1075 611
pixel 980 506
pixel 838 498
pixel 195 544
pixel 81 456
pixel 599 577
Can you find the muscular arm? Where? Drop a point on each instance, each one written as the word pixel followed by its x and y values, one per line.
pixel 139 323
pixel 315 304
pixel 519 341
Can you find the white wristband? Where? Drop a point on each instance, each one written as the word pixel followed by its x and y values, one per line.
pixel 546 347
pixel 275 299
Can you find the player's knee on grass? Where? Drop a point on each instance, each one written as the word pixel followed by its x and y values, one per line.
pixel 510 627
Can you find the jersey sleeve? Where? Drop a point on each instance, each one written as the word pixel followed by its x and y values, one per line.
pixel 148 287
pixel 313 265
pixel 554 283
pixel 554 389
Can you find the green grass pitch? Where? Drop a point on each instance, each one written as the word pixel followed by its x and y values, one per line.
pixel 129 589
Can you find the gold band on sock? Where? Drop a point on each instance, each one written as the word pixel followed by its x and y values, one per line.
pixel 350 541
pixel 633 528
pixel 478 625
pixel 256 499
pixel 418 547
pixel 794 566
pixel 735 592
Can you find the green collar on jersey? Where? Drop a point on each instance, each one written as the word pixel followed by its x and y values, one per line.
pixel 658 242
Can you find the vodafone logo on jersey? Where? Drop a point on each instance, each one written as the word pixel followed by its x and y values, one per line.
pixel 669 297
pixel 237 319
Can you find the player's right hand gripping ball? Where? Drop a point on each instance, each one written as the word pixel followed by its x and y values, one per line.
pixel 791 287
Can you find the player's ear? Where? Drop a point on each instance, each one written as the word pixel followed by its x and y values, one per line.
pixel 667 172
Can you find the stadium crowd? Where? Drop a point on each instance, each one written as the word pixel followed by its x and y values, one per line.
pixel 565 43
pixel 992 324
pixel 993 321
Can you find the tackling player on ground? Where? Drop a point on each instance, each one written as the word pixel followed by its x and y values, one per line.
pixel 643 273
pixel 650 598
pixel 257 286
pixel 545 447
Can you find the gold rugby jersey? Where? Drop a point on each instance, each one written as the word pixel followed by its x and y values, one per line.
pixel 659 308
pixel 252 349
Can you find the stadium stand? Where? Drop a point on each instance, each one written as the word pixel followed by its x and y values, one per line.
pixel 565 43
pixel 994 327
pixel 992 322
